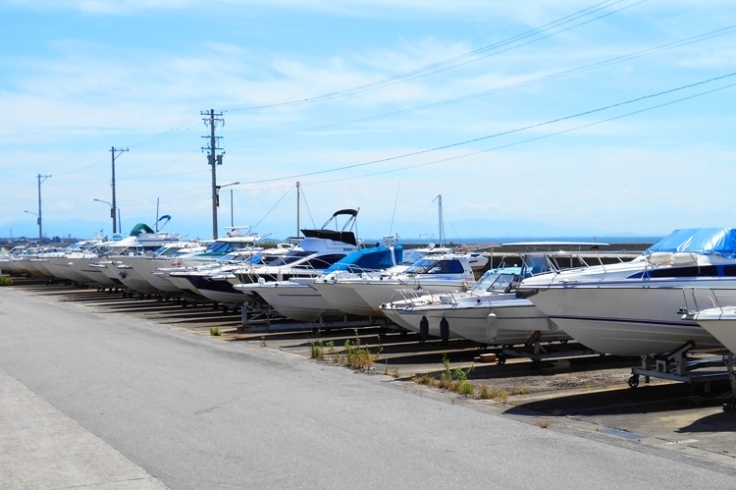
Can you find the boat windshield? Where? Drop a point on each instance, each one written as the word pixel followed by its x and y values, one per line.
pixel 497 280
pixel 502 283
pixel 289 258
pixel 168 252
pixel 432 266
pixel 413 257
pixel 234 257
pixel 218 247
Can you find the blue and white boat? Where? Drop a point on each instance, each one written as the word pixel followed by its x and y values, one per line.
pixel 298 299
pixel 637 308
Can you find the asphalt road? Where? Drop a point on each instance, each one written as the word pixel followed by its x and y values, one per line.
pixel 197 413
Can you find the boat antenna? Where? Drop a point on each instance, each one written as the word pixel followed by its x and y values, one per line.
pixel 157 214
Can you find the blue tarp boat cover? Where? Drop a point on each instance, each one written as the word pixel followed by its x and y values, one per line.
pixel 369 259
pixel 706 241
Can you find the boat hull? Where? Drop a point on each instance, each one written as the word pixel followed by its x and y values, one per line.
pixel 298 302
pixel 344 298
pixel 626 321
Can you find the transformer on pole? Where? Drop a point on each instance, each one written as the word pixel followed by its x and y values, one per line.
pixel 213 159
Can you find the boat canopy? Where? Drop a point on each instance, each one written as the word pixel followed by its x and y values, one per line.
pixel 705 241
pixel 140 228
pixel 369 259
pixel 338 236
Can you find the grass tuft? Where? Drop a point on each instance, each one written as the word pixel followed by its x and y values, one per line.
pixel 6 281
pixel 318 352
pixel 215 331
pixel 358 356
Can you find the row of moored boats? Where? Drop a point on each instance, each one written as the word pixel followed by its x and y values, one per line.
pixel 681 292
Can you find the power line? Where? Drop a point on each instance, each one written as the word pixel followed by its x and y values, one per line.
pixel 154 139
pixel 552 76
pixel 529 140
pixel 442 65
pixel 176 129
pixel 503 133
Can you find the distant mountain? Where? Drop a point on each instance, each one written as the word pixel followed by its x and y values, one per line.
pixel 476 228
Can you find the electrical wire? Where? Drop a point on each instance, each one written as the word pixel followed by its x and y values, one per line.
pixel 166 134
pixel 503 133
pixel 529 140
pixel 553 76
pixel 443 65
pixel 273 207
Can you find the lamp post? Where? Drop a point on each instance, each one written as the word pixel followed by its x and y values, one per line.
pixel 217 200
pixel 112 211
pixel 38 221
pixel 41 180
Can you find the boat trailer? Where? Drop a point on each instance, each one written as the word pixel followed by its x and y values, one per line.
pixel 679 366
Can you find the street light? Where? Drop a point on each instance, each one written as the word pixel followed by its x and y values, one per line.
pixel 34 214
pixel 112 210
pixel 38 220
pixel 217 193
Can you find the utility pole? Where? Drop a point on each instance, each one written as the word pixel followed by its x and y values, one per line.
pixel 213 159
pixel 115 153
pixel 40 226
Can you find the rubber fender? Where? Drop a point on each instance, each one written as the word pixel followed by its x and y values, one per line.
pixel 423 327
pixel 444 329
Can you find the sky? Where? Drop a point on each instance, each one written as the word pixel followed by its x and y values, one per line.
pixel 579 116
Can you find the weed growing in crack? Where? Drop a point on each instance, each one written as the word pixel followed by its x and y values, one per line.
pixel 318 351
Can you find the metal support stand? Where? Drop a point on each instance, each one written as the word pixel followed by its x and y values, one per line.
pixel 675 366
pixel 730 406
pixel 538 352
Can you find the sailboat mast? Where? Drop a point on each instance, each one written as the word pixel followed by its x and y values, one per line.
pixel 442 226
pixel 298 199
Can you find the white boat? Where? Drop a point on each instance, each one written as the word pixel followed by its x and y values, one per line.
pixel 433 274
pixel 704 307
pixel 300 300
pixel 334 284
pixel 490 313
pixel 108 269
pixel 720 322
pixel 636 308
pixel 319 249
pixel 139 268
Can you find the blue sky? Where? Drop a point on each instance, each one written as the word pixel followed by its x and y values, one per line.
pixel 78 77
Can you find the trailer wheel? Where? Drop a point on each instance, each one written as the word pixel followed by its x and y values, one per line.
pixel 634 381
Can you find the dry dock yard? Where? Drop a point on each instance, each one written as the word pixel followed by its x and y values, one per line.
pixel 577 393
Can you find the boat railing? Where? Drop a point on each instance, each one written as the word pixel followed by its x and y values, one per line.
pixel 698 299
pixel 414 297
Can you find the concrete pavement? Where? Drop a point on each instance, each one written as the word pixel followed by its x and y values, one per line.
pixel 198 413
pixel 41 448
